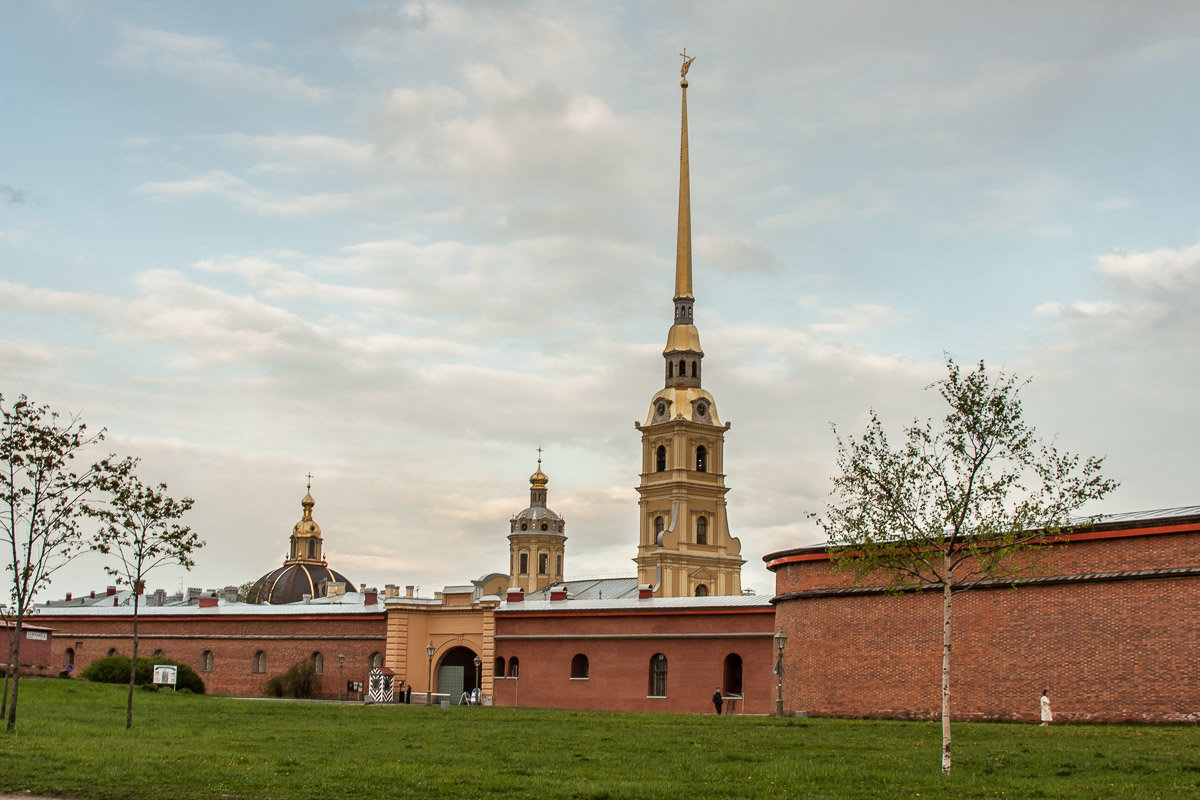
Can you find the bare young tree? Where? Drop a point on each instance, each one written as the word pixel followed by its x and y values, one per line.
pixel 973 498
pixel 139 532
pixel 41 505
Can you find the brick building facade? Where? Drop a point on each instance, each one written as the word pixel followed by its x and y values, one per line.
pixel 1109 623
pixel 650 654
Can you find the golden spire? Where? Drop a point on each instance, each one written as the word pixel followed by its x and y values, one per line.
pixel 538 480
pixel 683 247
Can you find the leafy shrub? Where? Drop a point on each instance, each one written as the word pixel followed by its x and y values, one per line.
pixel 115 669
pixel 300 680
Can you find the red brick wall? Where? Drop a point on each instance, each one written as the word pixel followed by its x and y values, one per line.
pixel 619 668
pixel 37 654
pixel 1107 651
pixel 233 642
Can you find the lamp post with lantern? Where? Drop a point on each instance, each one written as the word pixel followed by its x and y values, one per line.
pixel 429 676
pixel 479 678
pixel 780 643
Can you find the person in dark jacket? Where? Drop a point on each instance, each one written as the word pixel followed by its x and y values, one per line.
pixel 717 699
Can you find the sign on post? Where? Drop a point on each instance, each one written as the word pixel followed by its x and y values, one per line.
pixel 165 675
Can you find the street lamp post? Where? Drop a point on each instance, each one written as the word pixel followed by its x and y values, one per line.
pixel 341 683
pixel 429 676
pixel 780 643
pixel 479 678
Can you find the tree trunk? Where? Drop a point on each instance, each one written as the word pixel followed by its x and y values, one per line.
pixel 947 585
pixel 15 666
pixel 12 646
pixel 133 663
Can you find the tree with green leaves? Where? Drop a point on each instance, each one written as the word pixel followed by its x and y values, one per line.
pixel 973 498
pixel 139 531
pixel 41 508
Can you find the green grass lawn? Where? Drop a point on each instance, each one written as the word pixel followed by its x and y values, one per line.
pixel 71 742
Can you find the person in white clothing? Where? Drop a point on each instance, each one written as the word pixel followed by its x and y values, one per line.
pixel 1047 717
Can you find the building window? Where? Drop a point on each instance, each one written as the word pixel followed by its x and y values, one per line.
pixel 206 661
pixel 545 525
pixel 514 667
pixel 701 459
pixel 524 563
pixel 658 675
pixel 670 369
pixel 658 528
pixel 702 530
pixel 558 572
pixel 260 662
pixel 701 590
pixel 695 370
pixel 375 661
pixel 156 654
pixel 543 563
pixel 682 368
pixel 524 524
pixel 660 459
pixel 318 662
pixel 112 651
pixel 312 549
pixel 731 683
pixel 579 666
pixel 499 668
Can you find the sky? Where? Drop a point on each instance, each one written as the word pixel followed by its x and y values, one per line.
pixel 403 245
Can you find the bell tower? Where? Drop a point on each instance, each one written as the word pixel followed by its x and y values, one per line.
pixel 684 546
pixel 306 545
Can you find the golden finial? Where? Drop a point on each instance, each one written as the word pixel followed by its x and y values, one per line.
pixel 309 476
pixel 687 62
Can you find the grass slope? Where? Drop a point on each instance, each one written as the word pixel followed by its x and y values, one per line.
pixel 70 742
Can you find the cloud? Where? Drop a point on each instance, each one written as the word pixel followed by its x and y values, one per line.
pixel 206 60
pixel 301 153
pixel 11 195
pixel 245 196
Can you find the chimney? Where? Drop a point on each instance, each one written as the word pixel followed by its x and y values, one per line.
pixel 307 598
pixel 68 597
pixel 408 591
pixel 370 596
pixel 516 594
pixel 362 588
pixel 558 593
pixel 110 591
pixel 93 595
pixel 114 600
pixel 193 594
pixel 391 590
pixel 208 602
pixel 645 591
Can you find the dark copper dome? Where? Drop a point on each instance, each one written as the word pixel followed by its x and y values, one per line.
pixel 289 583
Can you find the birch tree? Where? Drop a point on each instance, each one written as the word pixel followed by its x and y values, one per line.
pixel 139 532
pixel 974 497
pixel 41 510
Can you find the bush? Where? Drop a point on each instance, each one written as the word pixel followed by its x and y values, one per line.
pixel 300 680
pixel 115 669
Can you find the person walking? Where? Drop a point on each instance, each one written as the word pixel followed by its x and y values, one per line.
pixel 718 700
pixel 1047 717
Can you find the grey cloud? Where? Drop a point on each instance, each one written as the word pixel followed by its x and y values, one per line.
pixel 14 195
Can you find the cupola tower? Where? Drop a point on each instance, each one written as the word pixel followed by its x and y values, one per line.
pixel 536 542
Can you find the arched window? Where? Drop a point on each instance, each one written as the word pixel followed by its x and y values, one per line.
pixel 375 661
pixel 206 661
pixel 670 369
pixel 545 525
pixel 658 526
pixel 260 662
pixel 558 572
pixel 156 654
pixel 579 666
pixel 524 524
pixel 312 549
pixel 524 563
pixel 701 459
pixel 499 668
pixel 701 590
pixel 658 675
pixel 695 370
pixel 682 368
pixel 660 459
pixel 112 651
pixel 543 563
pixel 69 658
pixel 514 667
pixel 731 683
pixel 318 662
pixel 702 530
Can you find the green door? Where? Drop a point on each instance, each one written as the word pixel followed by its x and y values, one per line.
pixel 450 682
